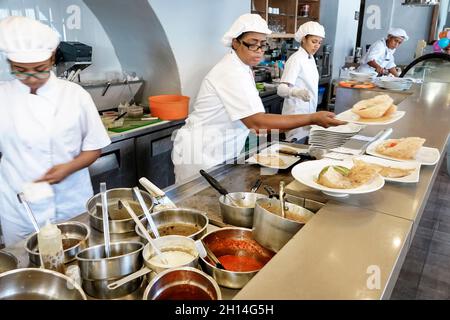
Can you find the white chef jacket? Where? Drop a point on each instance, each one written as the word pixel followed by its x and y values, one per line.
pixel 379 52
pixel 37 132
pixel 301 71
pixel 213 132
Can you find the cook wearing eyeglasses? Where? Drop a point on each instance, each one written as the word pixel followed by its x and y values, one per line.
pixel 380 56
pixel 300 80
pixel 50 132
pixel 228 105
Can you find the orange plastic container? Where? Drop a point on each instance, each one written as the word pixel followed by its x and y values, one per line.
pixel 169 107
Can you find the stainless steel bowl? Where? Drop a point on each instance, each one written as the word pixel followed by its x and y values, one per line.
pixel 38 284
pixel 180 215
pixel 236 242
pixel 239 216
pixel 271 230
pixel 99 288
pixel 7 261
pixel 69 230
pixel 126 258
pixel 125 225
pixel 182 284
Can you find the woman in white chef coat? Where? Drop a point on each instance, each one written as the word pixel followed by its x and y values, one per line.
pixel 300 80
pixel 50 132
pixel 380 56
pixel 228 105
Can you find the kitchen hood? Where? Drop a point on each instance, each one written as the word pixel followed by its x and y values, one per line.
pixel 422 3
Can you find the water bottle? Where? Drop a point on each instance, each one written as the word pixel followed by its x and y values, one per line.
pixel 51 247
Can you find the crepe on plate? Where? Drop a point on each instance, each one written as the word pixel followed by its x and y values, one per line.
pixel 339 177
pixel 404 148
pixel 376 107
pixel 388 172
pixel 269 160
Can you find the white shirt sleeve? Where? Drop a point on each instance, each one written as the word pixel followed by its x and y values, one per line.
pixel 391 63
pixel 292 69
pixel 94 134
pixel 238 94
pixel 376 52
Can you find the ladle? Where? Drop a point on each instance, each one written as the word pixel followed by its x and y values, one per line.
pixel 213 257
pixel 216 185
pixel 143 230
pixel 147 214
pixel 25 204
pixel 105 218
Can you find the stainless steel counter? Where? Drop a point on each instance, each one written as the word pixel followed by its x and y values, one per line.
pixel 352 248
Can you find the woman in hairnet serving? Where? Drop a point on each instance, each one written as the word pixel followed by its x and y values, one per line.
pixel 300 81
pixel 380 56
pixel 228 105
pixel 50 132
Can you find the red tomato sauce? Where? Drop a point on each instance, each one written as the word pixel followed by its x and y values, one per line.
pixel 240 263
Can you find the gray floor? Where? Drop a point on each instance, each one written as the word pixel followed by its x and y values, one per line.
pixel 426 270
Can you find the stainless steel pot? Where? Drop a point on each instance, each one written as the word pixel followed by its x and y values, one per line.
pixel 271 230
pixel 125 225
pixel 69 230
pixel 239 216
pixel 126 258
pixel 164 244
pixel 182 284
pixel 99 288
pixel 38 284
pixel 187 216
pixel 235 242
pixel 7 261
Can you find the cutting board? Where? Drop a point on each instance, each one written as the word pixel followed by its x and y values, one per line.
pixel 133 124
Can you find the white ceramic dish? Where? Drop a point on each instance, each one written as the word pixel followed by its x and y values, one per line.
pixel 288 160
pixel 413 177
pixel 425 156
pixel 350 116
pixel 307 173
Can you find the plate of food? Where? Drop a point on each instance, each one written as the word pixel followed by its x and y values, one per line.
pixel 404 149
pixel 405 172
pixel 379 110
pixel 338 178
pixel 278 156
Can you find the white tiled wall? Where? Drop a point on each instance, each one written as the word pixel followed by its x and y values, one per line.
pixel 75 22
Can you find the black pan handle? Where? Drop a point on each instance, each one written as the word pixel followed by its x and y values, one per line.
pixel 214 183
pixel 270 191
pixel 256 185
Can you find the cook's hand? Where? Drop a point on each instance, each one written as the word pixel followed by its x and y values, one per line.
pixel 301 94
pixel 56 174
pixel 381 71
pixel 325 119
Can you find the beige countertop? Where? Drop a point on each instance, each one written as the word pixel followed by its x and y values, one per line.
pixel 343 248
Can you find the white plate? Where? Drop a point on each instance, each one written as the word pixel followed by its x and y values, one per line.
pixel 348 128
pixel 272 150
pixel 425 156
pixel 307 173
pixel 413 177
pixel 350 116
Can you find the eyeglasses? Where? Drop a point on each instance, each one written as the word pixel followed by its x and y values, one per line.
pixel 255 47
pixel 41 75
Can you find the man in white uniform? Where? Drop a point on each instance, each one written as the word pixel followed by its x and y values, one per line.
pixel 50 132
pixel 380 56
pixel 300 81
pixel 228 105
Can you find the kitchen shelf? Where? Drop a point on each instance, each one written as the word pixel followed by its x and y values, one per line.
pixel 281 35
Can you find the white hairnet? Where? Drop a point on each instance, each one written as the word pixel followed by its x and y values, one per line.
pixel 246 23
pixel 309 28
pixel 27 40
pixel 398 32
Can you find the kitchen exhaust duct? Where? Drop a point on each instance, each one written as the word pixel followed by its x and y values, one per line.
pixel 421 3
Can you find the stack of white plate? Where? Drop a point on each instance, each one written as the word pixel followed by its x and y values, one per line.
pixel 362 76
pixel 392 83
pixel 332 137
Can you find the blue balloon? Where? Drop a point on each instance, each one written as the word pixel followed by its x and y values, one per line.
pixel 444 42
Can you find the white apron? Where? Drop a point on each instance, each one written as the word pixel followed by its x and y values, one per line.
pixel 301 71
